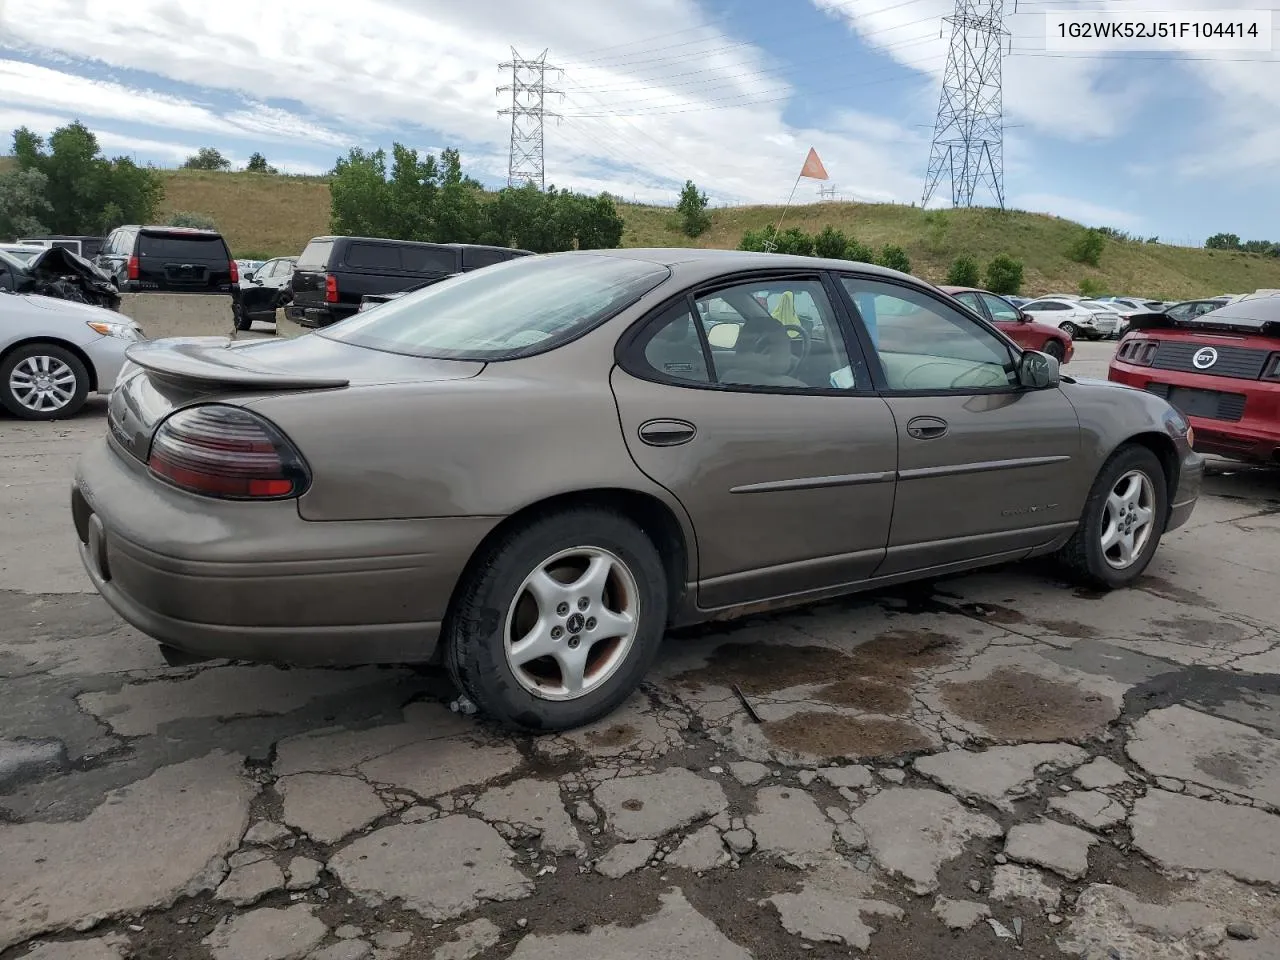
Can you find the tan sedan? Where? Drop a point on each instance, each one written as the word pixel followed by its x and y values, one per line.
pixel 533 470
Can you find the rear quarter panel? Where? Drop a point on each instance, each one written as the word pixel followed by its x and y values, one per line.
pixel 518 433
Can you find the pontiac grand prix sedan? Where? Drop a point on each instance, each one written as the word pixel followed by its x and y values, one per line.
pixel 533 470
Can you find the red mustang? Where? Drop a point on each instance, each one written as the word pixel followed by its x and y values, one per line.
pixel 1016 324
pixel 1220 369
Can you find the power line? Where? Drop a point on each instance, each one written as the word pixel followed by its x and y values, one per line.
pixel 528 87
pixel 968 134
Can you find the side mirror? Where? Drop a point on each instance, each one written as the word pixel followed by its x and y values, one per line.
pixel 1024 317
pixel 248 275
pixel 1038 371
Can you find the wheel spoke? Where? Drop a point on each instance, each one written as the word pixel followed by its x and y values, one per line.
pixel 593 580
pixel 1115 505
pixel 1141 517
pixel 610 625
pixel 1125 543
pixel 573 668
pixel 1132 490
pixel 535 644
pixel 1111 536
pixel 547 591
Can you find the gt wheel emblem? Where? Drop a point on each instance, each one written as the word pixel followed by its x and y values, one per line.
pixel 1204 358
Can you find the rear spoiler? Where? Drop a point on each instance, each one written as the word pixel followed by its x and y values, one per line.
pixel 1204 322
pixel 207 360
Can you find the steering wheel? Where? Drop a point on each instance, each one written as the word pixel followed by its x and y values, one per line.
pixel 800 338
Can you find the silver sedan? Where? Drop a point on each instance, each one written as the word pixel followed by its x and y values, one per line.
pixel 54 353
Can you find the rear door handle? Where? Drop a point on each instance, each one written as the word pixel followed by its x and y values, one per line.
pixel 926 428
pixel 667 433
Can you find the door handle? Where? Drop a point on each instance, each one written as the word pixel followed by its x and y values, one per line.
pixel 667 433
pixel 926 428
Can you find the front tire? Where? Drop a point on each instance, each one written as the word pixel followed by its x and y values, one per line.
pixel 42 381
pixel 1055 349
pixel 1122 522
pixel 559 620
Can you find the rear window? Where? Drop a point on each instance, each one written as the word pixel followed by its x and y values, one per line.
pixel 430 259
pixel 524 306
pixel 316 256
pixel 173 246
pixel 475 259
pixel 381 256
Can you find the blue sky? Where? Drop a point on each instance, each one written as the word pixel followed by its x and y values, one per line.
pixel 731 93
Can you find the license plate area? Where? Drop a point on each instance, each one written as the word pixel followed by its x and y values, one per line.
pixel 1207 404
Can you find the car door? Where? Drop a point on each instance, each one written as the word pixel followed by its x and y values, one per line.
pixel 1008 320
pixel 986 469
pixel 258 296
pixel 768 432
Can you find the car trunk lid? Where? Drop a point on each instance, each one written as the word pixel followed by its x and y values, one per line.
pixel 163 375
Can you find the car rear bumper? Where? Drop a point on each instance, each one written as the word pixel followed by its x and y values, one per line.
pixel 1254 437
pixel 254 581
pixel 312 316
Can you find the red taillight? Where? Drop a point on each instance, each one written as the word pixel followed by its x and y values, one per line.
pixel 235 272
pixel 330 288
pixel 226 452
pixel 1272 370
pixel 133 268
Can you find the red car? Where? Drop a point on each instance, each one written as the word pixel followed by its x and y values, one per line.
pixel 1221 370
pixel 1019 326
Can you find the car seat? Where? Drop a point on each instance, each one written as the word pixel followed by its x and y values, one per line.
pixel 762 356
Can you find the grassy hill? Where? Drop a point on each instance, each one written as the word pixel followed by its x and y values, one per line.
pixel 263 215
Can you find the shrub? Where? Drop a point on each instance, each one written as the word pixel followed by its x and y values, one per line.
pixel 692 210
pixel 1090 287
pixel 964 272
pixel 795 241
pixel 859 252
pixel 197 221
pixel 830 243
pixel 1004 275
pixel 1087 247
pixel 895 258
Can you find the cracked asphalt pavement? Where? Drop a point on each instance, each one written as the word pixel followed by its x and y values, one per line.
pixel 978 767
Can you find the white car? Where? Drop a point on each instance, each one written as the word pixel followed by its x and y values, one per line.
pixel 1074 318
pixel 56 352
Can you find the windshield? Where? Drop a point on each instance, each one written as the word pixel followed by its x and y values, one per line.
pixel 514 309
pixel 21 254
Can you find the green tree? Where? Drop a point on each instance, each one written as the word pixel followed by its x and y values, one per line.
pixel 895 258
pixel 1004 275
pixel 859 252
pixel 1223 241
pixel 23 207
pixel 1090 287
pixel 1087 247
pixel 359 197
pixel 830 244
pixel 86 192
pixel 964 272
pixel 258 164
pixel 207 158
pixel 197 221
pixel 758 241
pixel 692 210
pixel 457 215
pixel 1258 246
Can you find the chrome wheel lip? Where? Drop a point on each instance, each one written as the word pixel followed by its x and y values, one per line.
pixel 42 383
pixel 569 613
pixel 1128 519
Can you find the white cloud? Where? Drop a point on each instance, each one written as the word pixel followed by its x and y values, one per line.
pixel 705 106
pixel 1082 211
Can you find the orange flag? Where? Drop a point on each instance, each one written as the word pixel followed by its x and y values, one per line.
pixel 813 168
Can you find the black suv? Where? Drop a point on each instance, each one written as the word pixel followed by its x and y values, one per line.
pixel 333 273
pixel 168 259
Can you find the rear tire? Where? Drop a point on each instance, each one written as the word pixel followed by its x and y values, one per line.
pixel 1055 349
pixel 1122 522
pixel 517 600
pixel 241 321
pixel 1070 329
pixel 42 381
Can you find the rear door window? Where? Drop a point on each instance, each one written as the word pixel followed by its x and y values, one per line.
pixel 375 256
pixel 169 246
pixel 475 259
pixel 430 259
pixel 316 256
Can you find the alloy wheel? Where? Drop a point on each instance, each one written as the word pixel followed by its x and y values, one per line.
pixel 42 384
pixel 572 623
pixel 1128 519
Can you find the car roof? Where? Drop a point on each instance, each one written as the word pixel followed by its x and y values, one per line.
pixel 161 228
pixel 1257 309
pixel 711 261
